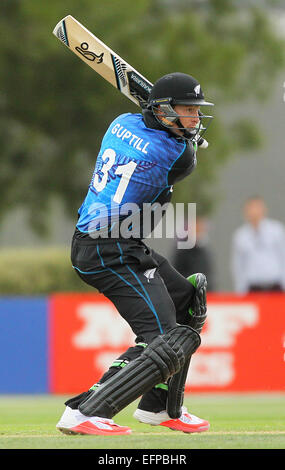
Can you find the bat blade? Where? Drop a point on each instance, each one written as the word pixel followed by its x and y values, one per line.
pixel 106 62
pixel 103 60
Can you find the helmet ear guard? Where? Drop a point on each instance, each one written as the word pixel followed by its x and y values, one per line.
pixel 163 105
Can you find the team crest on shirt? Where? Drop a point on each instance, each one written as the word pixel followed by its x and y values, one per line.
pixel 149 273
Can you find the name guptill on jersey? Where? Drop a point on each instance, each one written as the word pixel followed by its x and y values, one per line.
pixel 124 134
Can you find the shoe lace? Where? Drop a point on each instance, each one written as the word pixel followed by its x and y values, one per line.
pixel 186 416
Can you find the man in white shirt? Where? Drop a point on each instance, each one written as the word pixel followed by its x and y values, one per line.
pixel 258 251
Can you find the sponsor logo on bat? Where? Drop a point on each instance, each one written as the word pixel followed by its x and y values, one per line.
pixel 89 55
pixel 139 80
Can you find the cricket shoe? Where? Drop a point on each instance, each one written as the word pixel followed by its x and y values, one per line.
pixel 74 422
pixel 186 423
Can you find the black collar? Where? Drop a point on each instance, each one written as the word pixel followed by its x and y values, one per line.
pixel 152 122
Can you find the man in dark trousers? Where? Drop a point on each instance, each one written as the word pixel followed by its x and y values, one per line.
pixel 141 157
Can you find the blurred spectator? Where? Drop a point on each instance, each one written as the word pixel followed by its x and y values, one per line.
pixel 199 258
pixel 258 251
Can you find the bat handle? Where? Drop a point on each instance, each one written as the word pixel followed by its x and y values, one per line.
pixel 202 143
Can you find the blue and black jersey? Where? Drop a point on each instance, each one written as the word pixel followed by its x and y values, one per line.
pixel 138 163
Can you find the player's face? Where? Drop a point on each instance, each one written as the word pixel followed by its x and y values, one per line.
pixel 189 115
pixel 254 211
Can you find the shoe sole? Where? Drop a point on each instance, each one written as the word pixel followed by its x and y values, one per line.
pixel 67 431
pixel 86 430
pixel 200 429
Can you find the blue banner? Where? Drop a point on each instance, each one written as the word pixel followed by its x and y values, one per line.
pixel 23 345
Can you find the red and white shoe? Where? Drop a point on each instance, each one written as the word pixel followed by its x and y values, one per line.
pixel 74 422
pixel 186 423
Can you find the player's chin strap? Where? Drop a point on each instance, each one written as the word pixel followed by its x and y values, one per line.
pixel 197 318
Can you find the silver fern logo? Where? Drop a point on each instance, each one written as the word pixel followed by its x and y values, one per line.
pixel 120 69
pixel 149 273
pixel 197 90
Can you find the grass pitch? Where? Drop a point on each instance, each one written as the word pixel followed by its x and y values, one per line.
pixel 251 421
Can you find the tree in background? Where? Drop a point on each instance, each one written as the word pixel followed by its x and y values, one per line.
pixel 55 109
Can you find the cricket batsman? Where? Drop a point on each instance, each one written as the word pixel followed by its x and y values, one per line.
pixel 141 157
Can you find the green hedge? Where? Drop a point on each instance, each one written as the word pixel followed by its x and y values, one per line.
pixel 38 271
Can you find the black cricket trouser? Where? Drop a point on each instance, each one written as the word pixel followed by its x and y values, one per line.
pixel 145 289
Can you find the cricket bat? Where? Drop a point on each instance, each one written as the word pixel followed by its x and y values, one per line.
pixel 103 60
pixel 106 62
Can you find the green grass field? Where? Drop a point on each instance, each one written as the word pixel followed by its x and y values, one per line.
pixel 237 422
